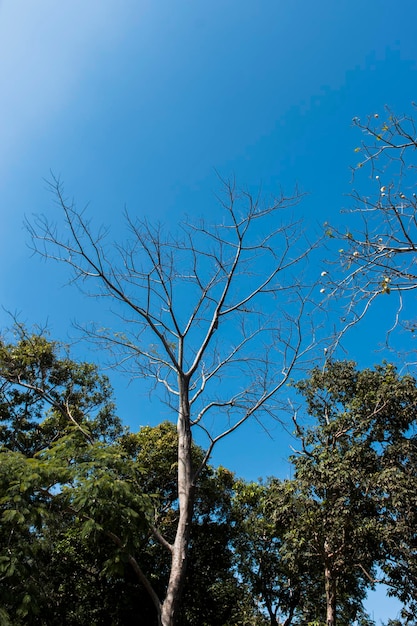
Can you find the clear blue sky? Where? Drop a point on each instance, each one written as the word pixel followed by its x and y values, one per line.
pixel 136 103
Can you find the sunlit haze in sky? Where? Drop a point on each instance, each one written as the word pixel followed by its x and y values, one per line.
pixel 141 104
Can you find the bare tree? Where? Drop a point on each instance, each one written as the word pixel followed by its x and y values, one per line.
pixel 215 315
pixel 379 246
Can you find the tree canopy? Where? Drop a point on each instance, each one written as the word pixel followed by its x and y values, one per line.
pixel 80 498
pixel 87 505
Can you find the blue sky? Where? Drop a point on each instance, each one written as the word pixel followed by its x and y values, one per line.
pixel 137 103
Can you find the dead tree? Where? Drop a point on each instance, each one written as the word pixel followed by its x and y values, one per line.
pixel 216 316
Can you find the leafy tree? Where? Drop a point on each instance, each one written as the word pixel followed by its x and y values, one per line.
pixel 45 394
pixel 73 490
pixel 212 316
pixel 277 554
pixel 60 466
pixel 275 581
pixel 354 481
pixel 52 412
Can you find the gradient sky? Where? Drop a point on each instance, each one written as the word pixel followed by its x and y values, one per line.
pixel 137 103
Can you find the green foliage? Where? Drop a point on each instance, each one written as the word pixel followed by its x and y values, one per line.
pixel 88 489
pixel 356 474
pixel 61 469
pixel 79 497
pixel 44 394
pixel 274 579
pixel 348 509
pixel 212 592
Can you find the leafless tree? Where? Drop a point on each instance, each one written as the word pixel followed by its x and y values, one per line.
pixel 378 249
pixel 215 315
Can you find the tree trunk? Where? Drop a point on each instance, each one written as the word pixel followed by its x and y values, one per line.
pixel 185 502
pixel 330 586
pixel 295 600
pixel 272 617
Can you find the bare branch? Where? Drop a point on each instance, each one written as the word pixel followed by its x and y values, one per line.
pixel 378 251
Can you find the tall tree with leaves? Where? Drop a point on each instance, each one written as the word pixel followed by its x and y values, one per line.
pixel 278 556
pixel 60 465
pixel 214 316
pixel 278 583
pixel 344 474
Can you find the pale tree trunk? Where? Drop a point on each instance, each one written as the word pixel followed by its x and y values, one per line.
pixel 294 603
pixel 330 586
pixel 185 500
